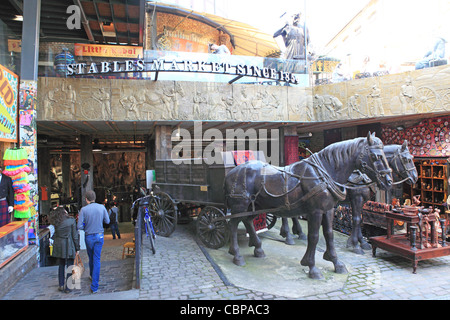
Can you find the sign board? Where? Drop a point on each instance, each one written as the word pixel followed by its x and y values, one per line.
pixel 96 50
pixel 9 88
pixel 163 65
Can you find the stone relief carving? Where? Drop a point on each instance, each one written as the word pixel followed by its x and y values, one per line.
pixel 419 91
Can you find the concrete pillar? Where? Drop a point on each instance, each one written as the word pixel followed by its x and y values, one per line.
pixel 27 103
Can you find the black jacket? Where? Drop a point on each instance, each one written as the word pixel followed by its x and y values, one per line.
pixel 6 190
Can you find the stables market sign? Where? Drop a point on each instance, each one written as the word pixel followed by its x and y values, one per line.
pixel 163 65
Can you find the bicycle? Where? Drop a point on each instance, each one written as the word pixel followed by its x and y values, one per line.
pixel 149 230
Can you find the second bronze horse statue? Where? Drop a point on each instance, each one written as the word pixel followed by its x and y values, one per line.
pixel 309 188
pixel 400 161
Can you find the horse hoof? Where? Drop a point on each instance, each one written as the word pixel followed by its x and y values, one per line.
pixel 366 246
pixel 358 250
pixel 302 236
pixel 239 261
pixel 340 268
pixel 259 253
pixel 314 273
pixel 289 241
pixel 351 243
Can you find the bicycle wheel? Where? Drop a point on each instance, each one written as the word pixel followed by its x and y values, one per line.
pixel 150 236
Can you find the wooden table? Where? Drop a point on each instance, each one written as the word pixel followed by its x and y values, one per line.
pixel 405 244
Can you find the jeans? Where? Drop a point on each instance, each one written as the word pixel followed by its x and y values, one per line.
pixel 94 244
pixel 115 230
pixel 62 263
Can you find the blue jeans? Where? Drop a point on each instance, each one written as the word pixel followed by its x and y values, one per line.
pixel 94 244
pixel 115 230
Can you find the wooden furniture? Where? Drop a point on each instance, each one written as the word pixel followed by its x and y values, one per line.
pixel 406 244
pixel 130 247
pixel 432 184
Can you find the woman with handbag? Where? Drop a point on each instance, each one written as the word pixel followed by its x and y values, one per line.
pixel 66 243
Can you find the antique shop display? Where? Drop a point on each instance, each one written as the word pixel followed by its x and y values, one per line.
pixel 16 166
pixel 13 240
pixel 425 235
pixel 432 185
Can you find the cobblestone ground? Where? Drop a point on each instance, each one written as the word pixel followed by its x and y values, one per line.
pixel 181 270
pixel 116 274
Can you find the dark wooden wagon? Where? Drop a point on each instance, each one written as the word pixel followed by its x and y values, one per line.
pixel 194 185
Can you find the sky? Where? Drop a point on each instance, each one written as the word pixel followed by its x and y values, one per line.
pixel 324 18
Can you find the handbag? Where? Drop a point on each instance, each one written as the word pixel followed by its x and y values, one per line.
pixel 78 267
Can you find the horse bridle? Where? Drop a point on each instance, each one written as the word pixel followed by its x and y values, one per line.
pixel 404 163
pixel 370 169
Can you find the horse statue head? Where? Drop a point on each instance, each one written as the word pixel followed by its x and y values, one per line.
pixel 372 161
pixel 401 162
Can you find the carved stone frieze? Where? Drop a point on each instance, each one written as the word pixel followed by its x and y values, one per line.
pixel 419 91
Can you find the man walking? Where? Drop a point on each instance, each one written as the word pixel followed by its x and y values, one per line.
pixel 91 219
pixel 114 222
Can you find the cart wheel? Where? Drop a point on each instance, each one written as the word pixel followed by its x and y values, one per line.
pixel 271 220
pixel 212 234
pixel 164 214
pixel 425 99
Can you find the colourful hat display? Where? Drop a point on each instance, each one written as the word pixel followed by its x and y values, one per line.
pixel 15 162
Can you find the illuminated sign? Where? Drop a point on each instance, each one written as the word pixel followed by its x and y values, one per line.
pixel 9 85
pixel 162 65
pixel 95 50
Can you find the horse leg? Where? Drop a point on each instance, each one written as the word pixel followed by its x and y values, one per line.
pixel 330 253
pixel 284 232
pixel 297 229
pixel 357 200
pixel 254 240
pixel 234 245
pixel 308 259
pixel 363 243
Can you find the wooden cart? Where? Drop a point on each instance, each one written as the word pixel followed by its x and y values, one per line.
pixel 194 185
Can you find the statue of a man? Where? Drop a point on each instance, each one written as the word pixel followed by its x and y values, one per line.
pixel 294 38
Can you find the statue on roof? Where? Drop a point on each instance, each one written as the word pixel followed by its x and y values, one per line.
pixel 294 35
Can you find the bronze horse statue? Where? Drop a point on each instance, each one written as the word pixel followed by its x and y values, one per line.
pixel 310 188
pixel 359 190
pixel 403 169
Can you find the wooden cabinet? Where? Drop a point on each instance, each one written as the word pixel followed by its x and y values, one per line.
pixel 432 185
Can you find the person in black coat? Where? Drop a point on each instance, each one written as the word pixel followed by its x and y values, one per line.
pixel 6 199
pixel 66 243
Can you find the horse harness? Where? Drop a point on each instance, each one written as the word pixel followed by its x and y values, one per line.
pixel 338 190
